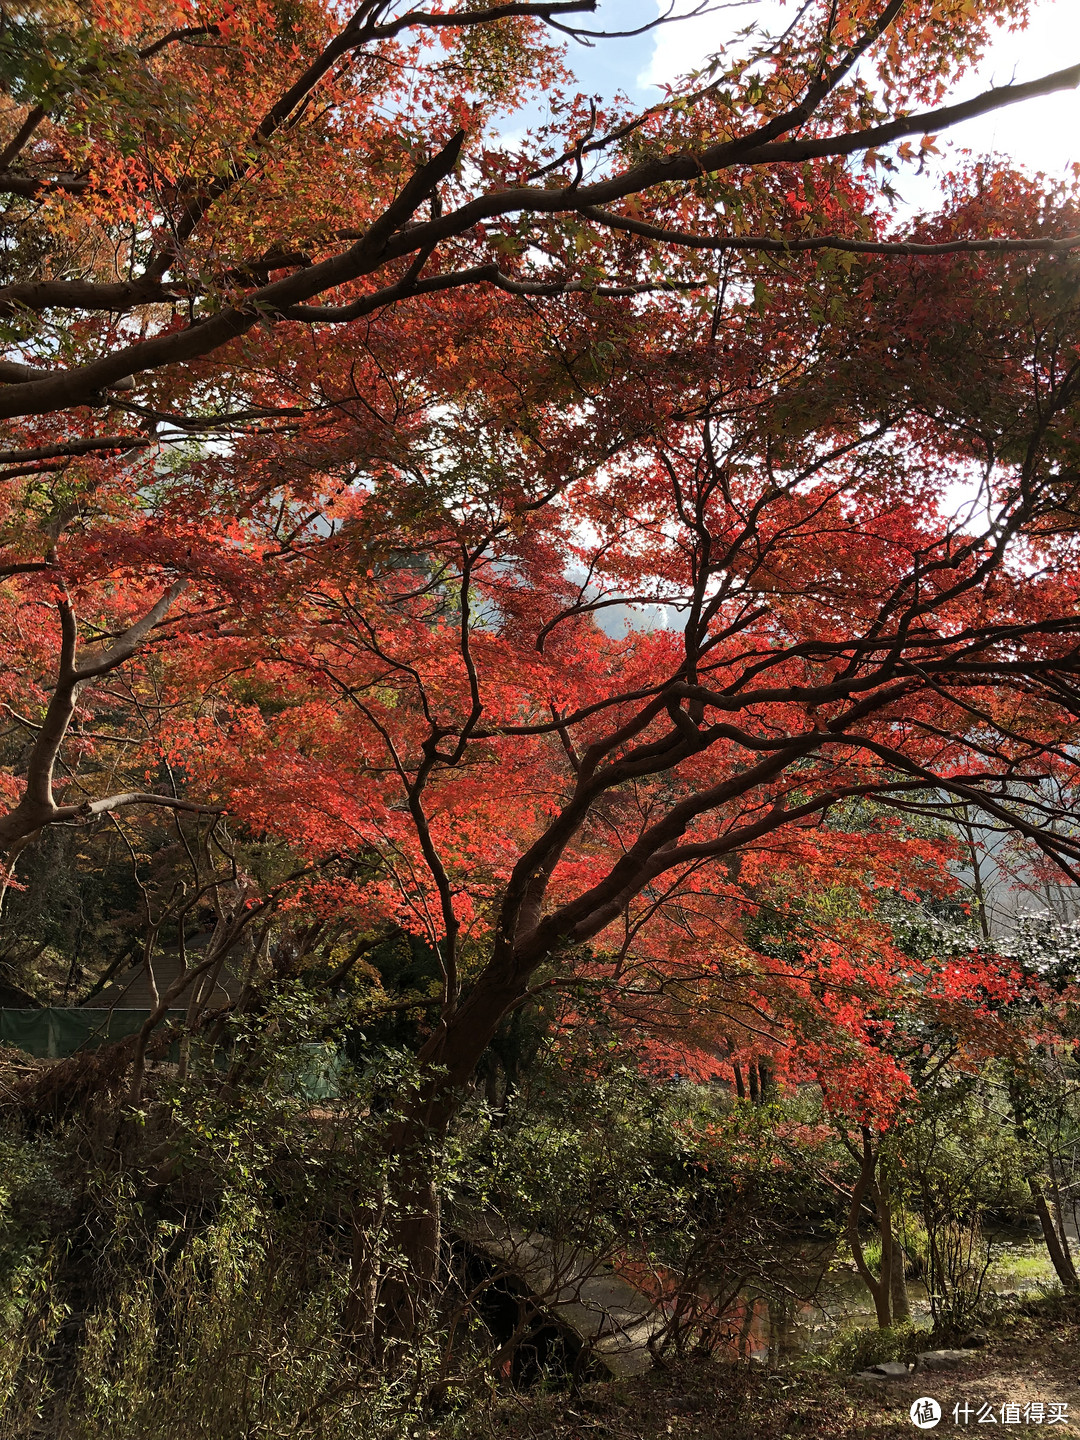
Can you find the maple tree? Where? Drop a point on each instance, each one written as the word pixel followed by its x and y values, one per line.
pixel 159 171
pixel 340 422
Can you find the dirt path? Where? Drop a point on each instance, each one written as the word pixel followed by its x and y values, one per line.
pixel 1037 1374
pixel 1028 1363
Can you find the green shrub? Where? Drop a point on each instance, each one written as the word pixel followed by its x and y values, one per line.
pixel 181 1272
pixel 857 1347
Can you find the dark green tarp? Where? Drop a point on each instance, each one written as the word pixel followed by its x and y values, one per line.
pixel 55 1031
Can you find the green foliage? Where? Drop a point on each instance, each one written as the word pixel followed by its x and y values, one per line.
pixel 185 1270
pixel 185 1275
pixel 40 59
pixel 553 1154
pixel 962 1165
pixel 690 1197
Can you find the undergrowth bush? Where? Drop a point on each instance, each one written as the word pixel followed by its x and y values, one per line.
pixel 180 1272
pixel 198 1267
pixel 183 1270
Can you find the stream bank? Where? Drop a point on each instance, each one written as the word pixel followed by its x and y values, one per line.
pixel 828 1296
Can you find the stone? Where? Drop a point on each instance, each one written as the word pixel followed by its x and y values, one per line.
pixel 975 1341
pixel 890 1370
pixel 941 1359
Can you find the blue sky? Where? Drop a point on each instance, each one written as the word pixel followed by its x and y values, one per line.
pixel 611 65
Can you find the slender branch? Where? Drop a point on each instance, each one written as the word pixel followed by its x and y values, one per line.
pixel 91 808
pixel 802 244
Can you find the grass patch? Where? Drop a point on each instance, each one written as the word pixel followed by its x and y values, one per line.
pixel 1015 1270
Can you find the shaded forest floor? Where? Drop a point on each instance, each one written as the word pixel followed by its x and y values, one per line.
pixel 1033 1357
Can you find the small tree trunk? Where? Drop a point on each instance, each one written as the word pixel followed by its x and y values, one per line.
pixel 878 1286
pixel 897 1280
pixel 1059 1216
pixel 1060 1257
pixel 892 1256
pixel 884 1218
pixel 1056 1245
pixel 740 1087
pixel 901 1306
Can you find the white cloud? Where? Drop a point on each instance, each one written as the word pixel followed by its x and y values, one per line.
pixel 687 44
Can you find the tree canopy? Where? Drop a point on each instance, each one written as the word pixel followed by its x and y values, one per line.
pixel 499 516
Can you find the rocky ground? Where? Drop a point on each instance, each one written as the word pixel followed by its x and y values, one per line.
pixel 1030 1360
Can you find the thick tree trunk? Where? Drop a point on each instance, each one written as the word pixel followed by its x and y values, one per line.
pixel 419 1225
pixel 396 1257
pixel 399 1285
pixel 411 1277
pixel 365 1271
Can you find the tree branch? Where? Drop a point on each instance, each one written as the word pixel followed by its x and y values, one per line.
pixel 37 807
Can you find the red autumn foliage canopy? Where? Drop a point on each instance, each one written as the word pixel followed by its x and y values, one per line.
pixel 546 546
